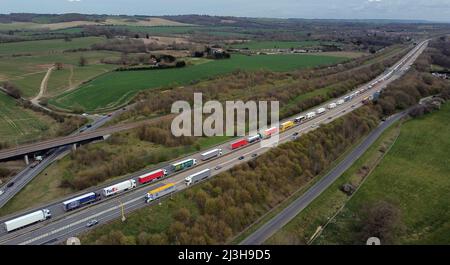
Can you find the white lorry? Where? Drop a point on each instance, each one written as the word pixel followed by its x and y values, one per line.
pixel 194 178
pixel 310 115
pixel 332 105
pixel 321 111
pixel 119 187
pixel 211 154
pixel 340 102
pixel 28 219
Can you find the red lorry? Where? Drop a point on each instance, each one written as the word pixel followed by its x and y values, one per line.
pixel 152 176
pixel 239 144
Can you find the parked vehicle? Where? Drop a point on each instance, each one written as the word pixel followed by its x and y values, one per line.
pixel 239 144
pixel 211 154
pixel 321 111
pixel 286 125
pixel 80 201
pixel 311 115
pixel 332 105
pixel 28 219
pixel 254 138
pixel 160 192
pixel 184 164
pixel 299 119
pixel 119 187
pixel 154 175
pixel 269 132
pixel 199 176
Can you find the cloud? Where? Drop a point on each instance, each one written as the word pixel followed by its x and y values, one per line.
pixel 73 1
pixel 374 1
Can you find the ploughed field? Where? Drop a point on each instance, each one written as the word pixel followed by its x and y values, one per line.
pixel 113 89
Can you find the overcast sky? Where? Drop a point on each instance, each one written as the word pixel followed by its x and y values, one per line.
pixel 438 10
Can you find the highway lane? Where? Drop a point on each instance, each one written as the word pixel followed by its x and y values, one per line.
pixel 286 215
pixel 290 212
pixel 63 225
pixel 27 174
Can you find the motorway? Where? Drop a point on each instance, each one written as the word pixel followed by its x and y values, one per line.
pixel 28 173
pixel 88 134
pixel 280 220
pixel 290 212
pixel 63 225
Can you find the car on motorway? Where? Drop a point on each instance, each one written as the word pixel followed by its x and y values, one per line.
pixel 241 157
pixel 91 223
pixel 353 106
pixel 254 155
pixel 89 126
pixel 217 167
pixel 1 192
pixel 295 134
pixel 9 185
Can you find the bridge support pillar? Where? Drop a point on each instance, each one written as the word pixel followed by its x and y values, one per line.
pixel 74 147
pixel 27 161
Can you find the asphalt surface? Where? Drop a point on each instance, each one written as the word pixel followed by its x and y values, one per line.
pixel 63 225
pixel 285 216
pixel 87 134
pixel 27 174
pixel 290 212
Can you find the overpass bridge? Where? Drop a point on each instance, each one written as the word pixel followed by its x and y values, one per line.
pixel 99 134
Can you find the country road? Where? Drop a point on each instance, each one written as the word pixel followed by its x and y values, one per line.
pixel 43 88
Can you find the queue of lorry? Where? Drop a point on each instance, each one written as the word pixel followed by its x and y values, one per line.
pixel 91 197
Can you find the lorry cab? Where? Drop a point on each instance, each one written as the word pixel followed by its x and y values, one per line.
pixel 47 213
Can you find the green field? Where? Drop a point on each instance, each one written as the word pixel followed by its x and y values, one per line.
pixel 27 71
pixel 414 176
pixel 18 124
pixel 116 88
pixel 47 46
pixel 258 45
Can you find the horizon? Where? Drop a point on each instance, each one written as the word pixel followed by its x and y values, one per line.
pixel 421 10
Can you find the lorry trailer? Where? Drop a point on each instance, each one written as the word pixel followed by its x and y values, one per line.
pixel 299 119
pixel 159 192
pixel 184 164
pixel 28 219
pixel 321 111
pixel 269 132
pixel 286 125
pixel 310 115
pixel 194 178
pixel 254 138
pixel 157 174
pixel 332 105
pixel 239 144
pixel 80 201
pixel 119 187
pixel 211 154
